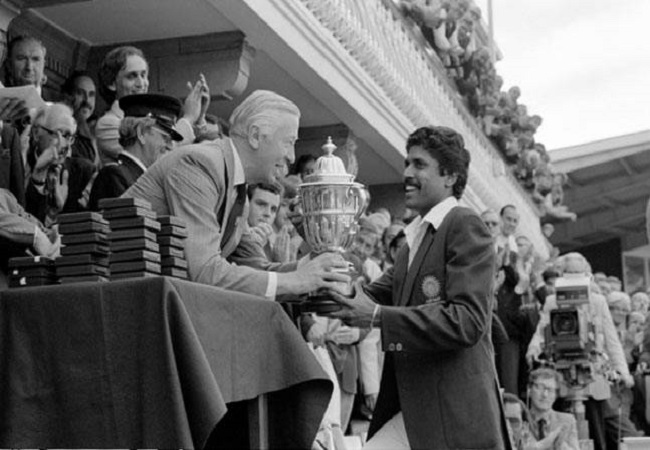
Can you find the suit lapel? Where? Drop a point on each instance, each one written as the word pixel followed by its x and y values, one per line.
pixel 227 212
pixel 399 273
pixel 416 266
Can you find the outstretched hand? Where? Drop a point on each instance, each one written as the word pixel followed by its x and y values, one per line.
pixel 356 311
pixel 12 109
pixel 197 101
pixel 327 270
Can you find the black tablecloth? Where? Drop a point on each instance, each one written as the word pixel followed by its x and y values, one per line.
pixel 149 363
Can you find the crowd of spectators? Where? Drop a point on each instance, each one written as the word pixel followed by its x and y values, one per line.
pixel 525 297
pixel 450 28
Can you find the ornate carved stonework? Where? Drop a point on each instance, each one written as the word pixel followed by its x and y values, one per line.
pixel 384 46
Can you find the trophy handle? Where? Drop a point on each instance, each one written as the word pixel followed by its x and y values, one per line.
pixel 363 199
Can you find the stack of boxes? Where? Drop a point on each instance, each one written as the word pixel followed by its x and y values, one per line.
pixel 134 251
pixel 124 241
pixel 27 271
pixel 171 239
pixel 84 254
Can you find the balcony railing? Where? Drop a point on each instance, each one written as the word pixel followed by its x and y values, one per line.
pixel 391 49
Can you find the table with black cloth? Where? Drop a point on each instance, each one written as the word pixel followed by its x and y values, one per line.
pixel 151 363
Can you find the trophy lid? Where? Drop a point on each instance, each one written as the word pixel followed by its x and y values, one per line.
pixel 329 168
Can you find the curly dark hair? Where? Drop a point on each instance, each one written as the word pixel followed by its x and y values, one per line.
pixel 68 86
pixel 448 148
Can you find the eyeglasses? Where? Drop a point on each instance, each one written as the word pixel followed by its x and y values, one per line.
pixel 543 389
pixel 57 133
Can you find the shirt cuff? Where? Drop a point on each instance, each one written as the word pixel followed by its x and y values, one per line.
pixel 185 129
pixel 271 286
pixel 41 242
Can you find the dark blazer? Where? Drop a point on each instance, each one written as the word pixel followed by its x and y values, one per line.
pixel 114 179
pixel 12 170
pixel 435 326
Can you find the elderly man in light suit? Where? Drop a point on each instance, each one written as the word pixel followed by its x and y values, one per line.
pixel 205 185
pixel 434 308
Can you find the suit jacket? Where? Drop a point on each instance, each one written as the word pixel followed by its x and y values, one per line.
pixel 114 179
pixel 250 253
pixel 435 325
pixel 568 439
pixel 194 182
pixel 12 169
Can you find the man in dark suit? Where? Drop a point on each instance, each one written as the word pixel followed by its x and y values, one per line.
pixel 58 182
pixel 79 92
pixel 146 133
pixel 434 308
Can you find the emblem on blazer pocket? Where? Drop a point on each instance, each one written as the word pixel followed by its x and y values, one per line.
pixel 431 288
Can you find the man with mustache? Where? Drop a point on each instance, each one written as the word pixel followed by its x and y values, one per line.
pixel 434 308
pixel 205 185
pixel 79 93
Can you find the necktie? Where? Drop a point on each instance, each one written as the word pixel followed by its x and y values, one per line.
pixel 541 428
pixel 237 209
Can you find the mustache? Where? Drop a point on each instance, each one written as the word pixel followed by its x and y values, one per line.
pixel 411 182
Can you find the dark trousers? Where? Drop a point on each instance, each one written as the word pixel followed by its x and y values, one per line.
pixel 595 415
pixel 507 362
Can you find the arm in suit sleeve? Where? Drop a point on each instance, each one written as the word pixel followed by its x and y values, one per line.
pixel 192 195
pixel 16 224
pixel 381 290
pixel 109 183
pixel 35 202
pixel 250 253
pixel 613 345
pixel 511 275
pixel 462 319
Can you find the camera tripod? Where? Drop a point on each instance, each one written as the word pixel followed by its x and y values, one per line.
pixel 577 397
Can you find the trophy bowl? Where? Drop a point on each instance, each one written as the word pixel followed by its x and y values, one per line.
pixel 332 204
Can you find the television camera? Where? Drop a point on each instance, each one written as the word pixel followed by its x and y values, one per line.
pixel 570 335
pixel 571 348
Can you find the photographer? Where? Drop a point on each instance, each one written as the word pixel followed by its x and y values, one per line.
pixel 605 340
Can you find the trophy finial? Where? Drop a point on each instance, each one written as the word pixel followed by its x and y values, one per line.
pixel 329 147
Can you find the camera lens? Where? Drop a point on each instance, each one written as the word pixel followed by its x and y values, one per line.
pixel 564 323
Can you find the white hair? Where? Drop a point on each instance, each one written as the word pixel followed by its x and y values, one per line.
pixel 261 108
pixel 47 111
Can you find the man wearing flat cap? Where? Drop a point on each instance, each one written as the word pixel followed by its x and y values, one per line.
pixel 146 133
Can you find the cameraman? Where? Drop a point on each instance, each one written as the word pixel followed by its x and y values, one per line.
pixel 606 341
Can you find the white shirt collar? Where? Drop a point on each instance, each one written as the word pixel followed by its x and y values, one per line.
pixel 239 177
pixel 115 108
pixel 135 159
pixel 435 216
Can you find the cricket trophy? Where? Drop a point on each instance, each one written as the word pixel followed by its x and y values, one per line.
pixel 332 204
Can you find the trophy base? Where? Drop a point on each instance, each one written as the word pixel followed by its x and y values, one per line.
pixel 320 303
